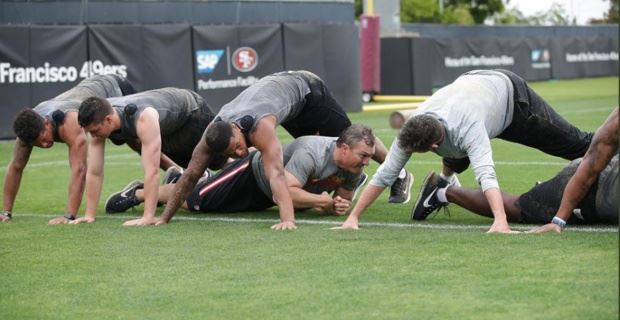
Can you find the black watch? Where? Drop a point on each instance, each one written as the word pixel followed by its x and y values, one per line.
pixel 69 216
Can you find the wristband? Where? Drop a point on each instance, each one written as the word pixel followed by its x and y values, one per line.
pixel 69 217
pixel 7 214
pixel 559 221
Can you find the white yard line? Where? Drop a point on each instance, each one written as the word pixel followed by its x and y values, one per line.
pixel 205 218
pixel 116 161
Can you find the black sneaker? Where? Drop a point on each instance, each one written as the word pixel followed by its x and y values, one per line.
pixel 427 201
pixel 401 189
pixel 172 175
pixel 360 184
pixel 123 200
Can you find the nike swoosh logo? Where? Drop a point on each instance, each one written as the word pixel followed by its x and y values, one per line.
pixel 124 193
pixel 425 203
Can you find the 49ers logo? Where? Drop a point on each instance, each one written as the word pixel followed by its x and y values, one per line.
pixel 245 59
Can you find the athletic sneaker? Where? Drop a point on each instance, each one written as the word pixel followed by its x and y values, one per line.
pixel 427 201
pixel 123 200
pixel 401 189
pixel 172 175
pixel 360 185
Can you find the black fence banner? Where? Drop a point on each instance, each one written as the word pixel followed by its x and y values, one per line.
pixel 437 62
pixel 331 52
pixel 228 59
pixel 150 56
pixel 578 57
pixel 396 68
pixel 167 56
pixel 36 64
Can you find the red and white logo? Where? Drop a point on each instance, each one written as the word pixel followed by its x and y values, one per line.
pixel 245 59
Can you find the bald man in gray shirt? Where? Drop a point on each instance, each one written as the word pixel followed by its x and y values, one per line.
pixel 458 123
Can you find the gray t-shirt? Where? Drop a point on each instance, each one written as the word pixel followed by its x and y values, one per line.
pixel 475 108
pixel 310 159
pixel 281 94
pixel 98 86
pixel 174 106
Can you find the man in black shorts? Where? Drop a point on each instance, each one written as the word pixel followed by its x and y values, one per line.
pixel 299 101
pixel 315 167
pixel 595 201
pixel 55 120
pixel 163 125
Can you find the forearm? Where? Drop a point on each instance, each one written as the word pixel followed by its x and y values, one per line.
pixel 93 192
pixel 11 186
pixel 282 197
pixel 165 162
pixel 151 192
pixel 304 199
pixel 575 191
pixel 368 196
pixel 179 194
pixel 494 198
pixel 76 190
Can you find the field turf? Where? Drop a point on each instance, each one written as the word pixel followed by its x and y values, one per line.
pixel 233 266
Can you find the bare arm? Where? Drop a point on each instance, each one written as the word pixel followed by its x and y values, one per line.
pixel 265 139
pixel 149 134
pixel 164 163
pixel 94 179
pixel 368 196
pixel 496 203
pixel 304 199
pixel 75 138
pixel 12 180
pixel 195 169
pixel 603 147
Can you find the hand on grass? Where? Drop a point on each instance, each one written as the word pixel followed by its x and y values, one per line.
pixel 284 225
pixel 160 222
pixel 141 222
pixel 501 227
pixel 59 220
pixel 4 218
pixel 350 224
pixel 83 220
pixel 546 228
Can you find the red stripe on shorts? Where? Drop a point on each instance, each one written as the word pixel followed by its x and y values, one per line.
pixel 223 178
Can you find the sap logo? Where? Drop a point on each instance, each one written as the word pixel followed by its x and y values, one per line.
pixel 245 59
pixel 540 55
pixel 206 60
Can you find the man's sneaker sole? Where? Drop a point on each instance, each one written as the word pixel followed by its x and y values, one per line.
pixel 131 185
pixel 408 190
pixel 419 198
pixel 172 175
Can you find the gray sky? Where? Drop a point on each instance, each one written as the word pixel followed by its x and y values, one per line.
pixel 583 10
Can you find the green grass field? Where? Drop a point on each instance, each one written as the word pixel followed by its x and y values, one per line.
pixel 235 267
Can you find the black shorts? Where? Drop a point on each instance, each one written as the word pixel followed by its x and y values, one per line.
pixel 535 124
pixel 233 189
pixel 180 145
pixel 540 204
pixel 126 86
pixel 322 114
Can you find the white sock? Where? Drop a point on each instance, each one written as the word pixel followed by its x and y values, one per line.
pixel 402 174
pixel 447 178
pixel 452 179
pixel 441 195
